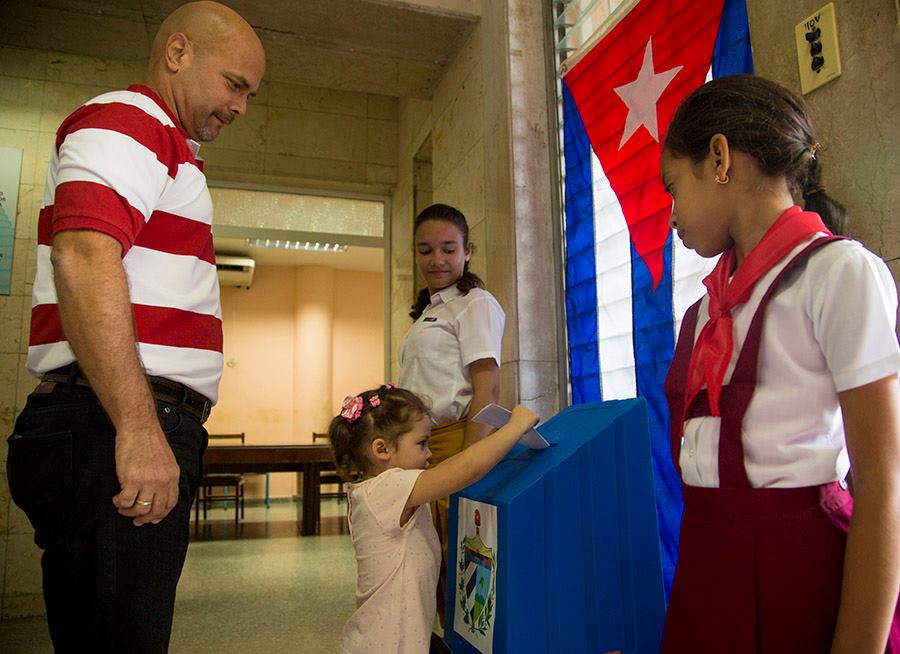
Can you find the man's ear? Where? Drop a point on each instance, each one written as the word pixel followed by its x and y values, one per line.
pixel 380 450
pixel 178 47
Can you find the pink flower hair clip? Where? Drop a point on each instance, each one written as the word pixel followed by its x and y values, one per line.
pixel 375 401
pixel 352 408
pixel 390 385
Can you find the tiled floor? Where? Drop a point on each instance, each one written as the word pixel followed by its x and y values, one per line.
pixel 259 587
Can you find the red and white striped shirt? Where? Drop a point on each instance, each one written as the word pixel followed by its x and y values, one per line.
pixel 124 166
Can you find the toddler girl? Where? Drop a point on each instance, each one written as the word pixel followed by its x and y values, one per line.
pixel 380 441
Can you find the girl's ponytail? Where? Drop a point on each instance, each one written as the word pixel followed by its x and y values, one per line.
pixel 764 120
pixel 465 283
pixel 468 280
pixel 817 200
pixel 347 454
pixel 423 299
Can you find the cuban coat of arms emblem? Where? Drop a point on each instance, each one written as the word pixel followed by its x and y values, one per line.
pixel 476 574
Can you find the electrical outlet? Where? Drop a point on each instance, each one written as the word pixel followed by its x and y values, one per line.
pixel 817 49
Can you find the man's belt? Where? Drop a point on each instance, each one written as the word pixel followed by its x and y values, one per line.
pixel 164 390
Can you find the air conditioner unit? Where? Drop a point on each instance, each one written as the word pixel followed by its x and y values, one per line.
pixel 234 271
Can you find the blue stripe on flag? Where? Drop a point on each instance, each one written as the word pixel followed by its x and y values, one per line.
pixel 653 321
pixel 654 346
pixel 581 270
pixel 732 54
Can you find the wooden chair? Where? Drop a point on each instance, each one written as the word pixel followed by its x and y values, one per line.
pixel 230 486
pixel 330 476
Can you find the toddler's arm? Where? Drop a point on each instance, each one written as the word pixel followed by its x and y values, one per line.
pixel 473 463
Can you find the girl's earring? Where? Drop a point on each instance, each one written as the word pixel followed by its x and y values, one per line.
pixel 722 180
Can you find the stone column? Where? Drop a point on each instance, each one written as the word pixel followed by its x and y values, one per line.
pixel 313 337
pixel 521 212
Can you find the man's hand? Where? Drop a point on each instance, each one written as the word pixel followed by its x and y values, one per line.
pixel 148 475
pixel 96 314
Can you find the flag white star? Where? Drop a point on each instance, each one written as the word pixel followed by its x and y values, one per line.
pixel 641 96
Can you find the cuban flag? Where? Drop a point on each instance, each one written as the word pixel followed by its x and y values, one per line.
pixel 629 279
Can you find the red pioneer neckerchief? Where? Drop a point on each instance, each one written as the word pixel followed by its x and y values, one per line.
pixel 713 349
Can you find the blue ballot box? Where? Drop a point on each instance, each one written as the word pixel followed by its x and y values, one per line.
pixel 558 549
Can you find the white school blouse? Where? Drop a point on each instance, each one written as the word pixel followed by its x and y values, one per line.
pixel 829 328
pixel 453 331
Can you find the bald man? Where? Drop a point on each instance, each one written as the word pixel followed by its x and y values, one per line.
pixel 126 336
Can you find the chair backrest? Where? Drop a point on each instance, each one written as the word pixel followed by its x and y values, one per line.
pixel 227 437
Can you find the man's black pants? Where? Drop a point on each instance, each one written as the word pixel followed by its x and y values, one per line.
pixel 108 586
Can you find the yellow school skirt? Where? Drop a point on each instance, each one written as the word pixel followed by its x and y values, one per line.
pixel 446 440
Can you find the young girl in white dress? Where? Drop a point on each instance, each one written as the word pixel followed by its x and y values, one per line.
pixel 380 440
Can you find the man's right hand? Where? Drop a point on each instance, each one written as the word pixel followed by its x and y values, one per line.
pixel 147 472
pixel 97 319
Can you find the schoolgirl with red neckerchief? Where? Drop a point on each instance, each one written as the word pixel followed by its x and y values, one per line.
pixel 784 380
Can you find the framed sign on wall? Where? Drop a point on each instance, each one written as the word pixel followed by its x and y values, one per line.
pixel 10 172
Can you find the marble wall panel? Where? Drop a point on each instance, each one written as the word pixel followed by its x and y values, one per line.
pixel 248 132
pixel 24 62
pixel 381 142
pixel 385 107
pixel 22 606
pixel 319 99
pixel 381 177
pixel 315 169
pixel 458 126
pixel 308 133
pixel 26 139
pixel 10 324
pixel 856 114
pixel 463 185
pixel 20 102
pixel 107 73
pixel 62 98
pixel 468 59
pixel 23 577
pixel 27 211
pixel 219 160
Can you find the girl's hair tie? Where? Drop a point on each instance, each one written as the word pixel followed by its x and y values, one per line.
pixel 353 405
pixel 819 188
pixel 352 408
pixel 815 147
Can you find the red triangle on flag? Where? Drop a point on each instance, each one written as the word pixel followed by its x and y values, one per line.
pixel 626 90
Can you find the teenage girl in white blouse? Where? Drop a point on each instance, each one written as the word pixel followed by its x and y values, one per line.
pixel 451 354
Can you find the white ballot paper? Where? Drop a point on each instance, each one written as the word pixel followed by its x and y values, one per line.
pixel 496 416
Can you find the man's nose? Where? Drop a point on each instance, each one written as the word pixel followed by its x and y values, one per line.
pixel 239 105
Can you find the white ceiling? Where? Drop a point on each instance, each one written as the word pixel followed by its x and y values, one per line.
pixel 389 47
pixel 361 259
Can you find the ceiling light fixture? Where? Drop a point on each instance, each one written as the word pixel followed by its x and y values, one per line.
pixel 295 245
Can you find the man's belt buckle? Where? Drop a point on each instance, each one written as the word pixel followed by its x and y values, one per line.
pixel 204 412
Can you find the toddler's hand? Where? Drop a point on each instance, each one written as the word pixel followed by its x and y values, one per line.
pixel 523 418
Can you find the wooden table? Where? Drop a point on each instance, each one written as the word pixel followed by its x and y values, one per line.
pixel 308 460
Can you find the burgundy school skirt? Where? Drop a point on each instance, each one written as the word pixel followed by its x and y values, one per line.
pixel 759 570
